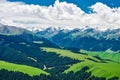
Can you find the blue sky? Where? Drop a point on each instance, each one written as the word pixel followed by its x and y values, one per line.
pixel 106 13
pixel 83 4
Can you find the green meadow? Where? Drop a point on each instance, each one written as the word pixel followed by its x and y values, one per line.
pixel 31 71
pixel 103 55
pixel 67 53
pixel 108 69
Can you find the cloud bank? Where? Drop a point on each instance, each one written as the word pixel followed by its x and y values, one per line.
pixel 61 14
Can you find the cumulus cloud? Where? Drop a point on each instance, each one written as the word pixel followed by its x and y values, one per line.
pixel 61 14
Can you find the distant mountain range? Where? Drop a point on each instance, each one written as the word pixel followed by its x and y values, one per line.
pixel 12 30
pixel 13 33
pixel 76 39
pixel 87 39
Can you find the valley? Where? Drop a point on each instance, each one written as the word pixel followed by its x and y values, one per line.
pixel 26 55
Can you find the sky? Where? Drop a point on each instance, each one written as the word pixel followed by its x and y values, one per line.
pixel 99 14
pixel 83 4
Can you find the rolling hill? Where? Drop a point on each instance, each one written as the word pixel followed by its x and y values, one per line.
pixel 31 71
pixel 27 56
pixel 102 68
pixel 24 49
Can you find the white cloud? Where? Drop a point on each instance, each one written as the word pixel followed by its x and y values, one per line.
pixel 61 14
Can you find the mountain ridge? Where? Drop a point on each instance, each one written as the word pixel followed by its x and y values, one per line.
pixel 80 38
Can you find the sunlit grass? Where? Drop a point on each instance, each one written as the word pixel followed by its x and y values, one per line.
pixel 67 53
pixel 108 69
pixel 31 71
pixel 103 55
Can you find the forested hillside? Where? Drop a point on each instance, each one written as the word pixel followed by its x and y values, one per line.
pixel 88 39
pixel 27 56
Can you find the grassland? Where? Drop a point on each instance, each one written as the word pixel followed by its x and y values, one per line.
pixel 67 53
pixel 31 71
pixel 107 69
pixel 103 55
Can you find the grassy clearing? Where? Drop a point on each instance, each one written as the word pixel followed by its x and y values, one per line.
pixel 99 69
pixel 107 70
pixel 31 71
pixel 67 53
pixel 103 55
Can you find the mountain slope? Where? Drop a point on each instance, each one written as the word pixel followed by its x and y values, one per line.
pixel 31 71
pixel 25 49
pixel 36 51
pixel 107 70
pixel 11 30
pixel 22 34
pixel 87 39
pixel 102 68
pixel 22 48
